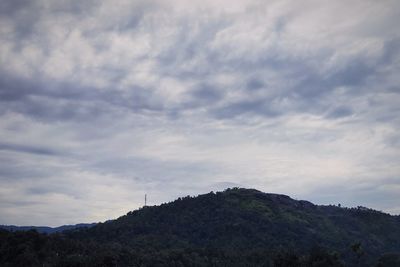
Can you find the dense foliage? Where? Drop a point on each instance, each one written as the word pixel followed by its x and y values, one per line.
pixel 237 227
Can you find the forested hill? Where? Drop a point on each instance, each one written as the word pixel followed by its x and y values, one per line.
pixel 237 227
pixel 246 218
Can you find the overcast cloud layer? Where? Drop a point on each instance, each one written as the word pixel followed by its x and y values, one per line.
pixel 104 101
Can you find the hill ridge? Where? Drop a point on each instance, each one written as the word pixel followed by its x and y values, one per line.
pixel 236 227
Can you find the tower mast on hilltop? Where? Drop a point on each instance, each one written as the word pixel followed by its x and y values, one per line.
pixel 145 200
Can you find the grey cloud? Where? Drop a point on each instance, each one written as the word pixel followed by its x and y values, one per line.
pixel 356 73
pixel 9 8
pixel 391 51
pixel 393 140
pixel 340 112
pixel 29 149
pixel 78 8
pixel 191 44
pixel 313 85
pixel 150 170
pixel 203 95
pixel 45 109
pixel 311 92
pixel 207 93
pixel 254 84
pixel 23 17
pixel 12 89
pixel 306 95
pixel 16 203
pixel 57 101
pixel 257 106
pixel 55 187
pixel 14 169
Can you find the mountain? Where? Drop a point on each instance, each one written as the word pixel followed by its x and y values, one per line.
pixel 236 227
pixel 46 229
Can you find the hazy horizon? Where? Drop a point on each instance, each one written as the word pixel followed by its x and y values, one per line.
pixel 105 101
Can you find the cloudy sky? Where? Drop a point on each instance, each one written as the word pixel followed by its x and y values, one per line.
pixel 104 101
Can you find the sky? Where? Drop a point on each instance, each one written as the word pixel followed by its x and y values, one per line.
pixel 102 102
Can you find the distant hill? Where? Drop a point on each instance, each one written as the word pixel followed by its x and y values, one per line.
pixel 236 227
pixel 46 229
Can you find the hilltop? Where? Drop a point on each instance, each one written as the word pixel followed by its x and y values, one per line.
pixel 237 227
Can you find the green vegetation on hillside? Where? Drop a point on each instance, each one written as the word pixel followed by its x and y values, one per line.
pixel 237 227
